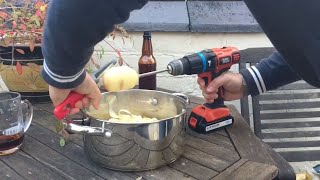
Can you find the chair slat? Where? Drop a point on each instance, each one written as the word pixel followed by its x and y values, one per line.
pixel 290 125
pixel 288 115
pixel 291 134
pixel 299 156
pixel 291 105
pixel 274 96
pixel 294 144
pixel 296 86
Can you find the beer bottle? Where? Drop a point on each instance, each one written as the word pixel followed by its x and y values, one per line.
pixel 147 63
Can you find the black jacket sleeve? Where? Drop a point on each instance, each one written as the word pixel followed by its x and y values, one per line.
pixel 292 27
pixel 72 29
pixel 270 73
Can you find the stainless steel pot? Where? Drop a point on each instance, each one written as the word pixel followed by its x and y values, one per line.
pixel 136 146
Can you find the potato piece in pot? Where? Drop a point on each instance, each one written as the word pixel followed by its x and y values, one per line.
pixel 120 78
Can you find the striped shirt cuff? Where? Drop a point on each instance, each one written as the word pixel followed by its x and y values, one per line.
pixel 60 81
pixel 254 80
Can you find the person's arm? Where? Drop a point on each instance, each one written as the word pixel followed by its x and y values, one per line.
pixel 72 29
pixel 269 74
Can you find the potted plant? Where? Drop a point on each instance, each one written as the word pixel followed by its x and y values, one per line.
pixel 21 26
pixel 21 59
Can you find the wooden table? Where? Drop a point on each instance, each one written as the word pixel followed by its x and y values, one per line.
pixel 231 153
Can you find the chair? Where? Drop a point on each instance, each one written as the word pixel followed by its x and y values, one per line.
pixel 288 118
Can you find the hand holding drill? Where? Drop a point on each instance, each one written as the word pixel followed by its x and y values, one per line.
pixel 232 84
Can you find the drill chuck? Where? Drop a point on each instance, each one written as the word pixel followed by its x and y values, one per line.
pixel 175 68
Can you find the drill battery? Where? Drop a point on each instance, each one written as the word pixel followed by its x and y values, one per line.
pixel 205 120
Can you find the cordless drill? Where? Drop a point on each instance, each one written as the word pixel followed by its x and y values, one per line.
pixel 208 64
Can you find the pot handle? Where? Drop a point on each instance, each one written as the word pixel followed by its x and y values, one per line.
pixel 183 97
pixel 87 130
pixel 61 111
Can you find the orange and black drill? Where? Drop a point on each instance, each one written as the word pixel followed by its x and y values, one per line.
pixel 208 64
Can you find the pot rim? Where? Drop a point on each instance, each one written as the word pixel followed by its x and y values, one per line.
pixel 184 110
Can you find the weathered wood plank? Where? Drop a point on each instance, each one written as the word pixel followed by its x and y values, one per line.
pixel 274 96
pixel 168 170
pixel 164 173
pixel 223 153
pixel 253 170
pixel 47 120
pixel 294 105
pixel 56 161
pixel 291 134
pixel 223 175
pixel 284 168
pixel 28 167
pixel 290 125
pixel 221 132
pixel 246 142
pixel 299 156
pixel 72 151
pixel 214 138
pixel 205 159
pixel 193 169
pixel 7 173
pixel 283 144
pixel 289 115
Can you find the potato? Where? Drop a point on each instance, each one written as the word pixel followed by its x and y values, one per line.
pixel 120 78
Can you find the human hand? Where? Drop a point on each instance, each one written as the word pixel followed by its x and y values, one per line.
pixel 231 82
pixel 88 88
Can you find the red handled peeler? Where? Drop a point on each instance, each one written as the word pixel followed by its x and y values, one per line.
pixel 62 110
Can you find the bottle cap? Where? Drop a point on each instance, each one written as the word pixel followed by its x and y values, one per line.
pixel 147 34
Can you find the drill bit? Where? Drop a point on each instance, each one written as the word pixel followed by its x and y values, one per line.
pixel 152 73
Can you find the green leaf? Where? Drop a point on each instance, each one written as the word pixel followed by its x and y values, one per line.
pixel 37 22
pixel 62 142
pixel 59 126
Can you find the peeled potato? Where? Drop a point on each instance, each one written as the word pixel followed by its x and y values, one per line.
pixel 120 78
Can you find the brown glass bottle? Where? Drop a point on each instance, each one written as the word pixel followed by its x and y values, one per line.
pixel 147 63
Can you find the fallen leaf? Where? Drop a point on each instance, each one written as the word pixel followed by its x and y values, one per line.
pixel 59 126
pixel 43 7
pixel 14 24
pixel 31 45
pixel 38 4
pixel 20 51
pixel 19 68
pixel 62 142
pixel 139 178
pixel 37 22
pixel 3 15
pixel 23 27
